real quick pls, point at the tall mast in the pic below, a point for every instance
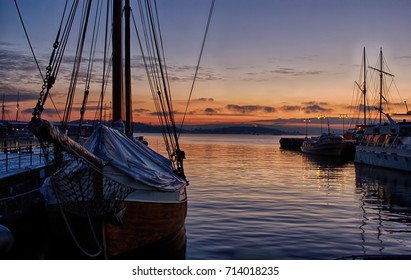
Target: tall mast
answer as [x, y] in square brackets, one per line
[364, 91]
[117, 94]
[382, 72]
[381, 77]
[127, 69]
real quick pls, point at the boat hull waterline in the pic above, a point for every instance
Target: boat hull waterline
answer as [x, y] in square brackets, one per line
[145, 227]
[383, 157]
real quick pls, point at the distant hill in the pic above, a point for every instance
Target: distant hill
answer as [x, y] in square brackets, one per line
[240, 130]
[141, 127]
[229, 129]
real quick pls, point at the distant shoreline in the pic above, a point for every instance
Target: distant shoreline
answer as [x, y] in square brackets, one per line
[148, 128]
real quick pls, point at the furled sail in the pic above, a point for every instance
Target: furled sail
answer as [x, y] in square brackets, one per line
[105, 171]
[134, 159]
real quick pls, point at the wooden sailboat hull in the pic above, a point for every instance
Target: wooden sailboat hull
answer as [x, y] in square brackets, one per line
[144, 224]
[147, 230]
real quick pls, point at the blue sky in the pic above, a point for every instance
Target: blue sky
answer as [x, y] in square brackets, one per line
[263, 60]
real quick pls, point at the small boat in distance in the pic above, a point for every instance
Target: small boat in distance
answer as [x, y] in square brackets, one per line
[327, 144]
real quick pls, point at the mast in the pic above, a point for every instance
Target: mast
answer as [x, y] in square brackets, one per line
[382, 72]
[381, 77]
[127, 69]
[364, 91]
[117, 94]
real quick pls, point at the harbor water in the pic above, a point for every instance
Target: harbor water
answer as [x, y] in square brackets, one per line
[249, 199]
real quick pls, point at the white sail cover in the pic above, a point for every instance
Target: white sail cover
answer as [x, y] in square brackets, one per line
[133, 159]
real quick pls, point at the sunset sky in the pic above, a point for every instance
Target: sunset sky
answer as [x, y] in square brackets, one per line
[264, 61]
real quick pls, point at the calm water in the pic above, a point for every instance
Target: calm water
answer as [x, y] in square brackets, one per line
[249, 199]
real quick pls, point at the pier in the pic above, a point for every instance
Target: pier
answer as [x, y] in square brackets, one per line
[291, 143]
[23, 169]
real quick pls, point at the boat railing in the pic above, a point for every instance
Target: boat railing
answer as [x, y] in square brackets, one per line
[399, 150]
[403, 147]
[19, 151]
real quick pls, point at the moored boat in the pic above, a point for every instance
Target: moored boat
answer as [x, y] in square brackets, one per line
[327, 144]
[114, 197]
[117, 199]
[387, 145]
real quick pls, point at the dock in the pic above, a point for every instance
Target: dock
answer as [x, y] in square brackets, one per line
[23, 169]
[291, 143]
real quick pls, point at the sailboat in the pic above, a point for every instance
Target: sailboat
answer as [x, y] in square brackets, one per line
[114, 197]
[386, 144]
[355, 134]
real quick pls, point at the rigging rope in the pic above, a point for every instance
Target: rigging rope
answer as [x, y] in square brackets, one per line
[106, 73]
[90, 64]
[32, 51]
[156, 70]
[28, 39]
[76, 67]
[151, 72]
[198, 64]
[54, 62]
[156, 73]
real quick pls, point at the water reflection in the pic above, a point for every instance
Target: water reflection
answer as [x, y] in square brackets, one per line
[328, 172]
[385, 201]
[389, 189]
[324, 161]
[249, 199]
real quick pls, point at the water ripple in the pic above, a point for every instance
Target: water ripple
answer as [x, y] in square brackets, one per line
[248, 199]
